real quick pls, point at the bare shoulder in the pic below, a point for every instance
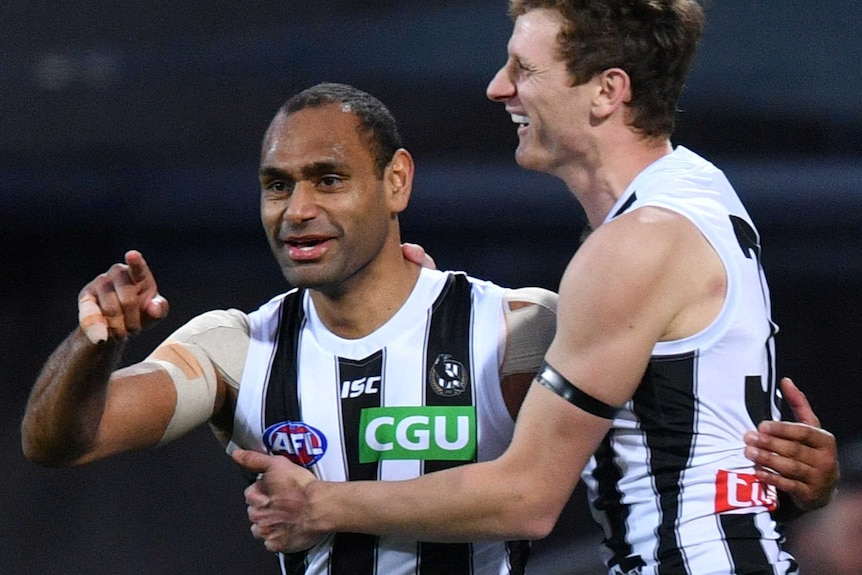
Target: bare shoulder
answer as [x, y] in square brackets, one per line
[649, 272]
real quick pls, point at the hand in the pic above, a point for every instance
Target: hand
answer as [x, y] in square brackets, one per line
[800, 458]
[417, 254]
[278, 502]
[122, 301]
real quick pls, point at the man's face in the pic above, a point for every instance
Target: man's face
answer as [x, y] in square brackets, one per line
[536, 88]
[323, 207]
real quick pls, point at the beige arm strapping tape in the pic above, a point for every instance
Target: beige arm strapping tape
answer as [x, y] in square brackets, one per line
[212, 345]
[531, 320]
[196, 387]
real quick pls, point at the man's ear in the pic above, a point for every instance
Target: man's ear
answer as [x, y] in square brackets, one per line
[398, 180]
[614, 91]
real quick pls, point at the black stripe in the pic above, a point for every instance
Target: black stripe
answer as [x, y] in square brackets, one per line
[666, 408]
[448, 367]
[448, 383]
[608, 501]
[356, 553]
[632, 199]
[282, 403]
[362, 371]
[519, 553]
[743, 544]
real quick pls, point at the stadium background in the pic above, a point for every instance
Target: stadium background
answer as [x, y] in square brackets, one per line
[137, 125]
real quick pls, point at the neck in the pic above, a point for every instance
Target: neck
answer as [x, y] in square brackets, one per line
[598, 184]
[370, 299]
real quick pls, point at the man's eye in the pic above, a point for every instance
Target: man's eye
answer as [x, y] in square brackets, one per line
[330, 181]
[278, 186]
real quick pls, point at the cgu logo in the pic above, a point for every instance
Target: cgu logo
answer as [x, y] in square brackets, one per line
[418, 433]
[298, 441]
[357, 387]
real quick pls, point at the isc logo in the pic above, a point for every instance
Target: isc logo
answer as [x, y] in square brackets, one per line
[357, 387]
[437, 433]
[298, 441]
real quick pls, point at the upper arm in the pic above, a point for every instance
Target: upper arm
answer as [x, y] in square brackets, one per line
[610, 313]
[627, 288]
[189, 378]
[140, 401]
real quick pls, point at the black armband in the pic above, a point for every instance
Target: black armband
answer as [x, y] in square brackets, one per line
[553, 380]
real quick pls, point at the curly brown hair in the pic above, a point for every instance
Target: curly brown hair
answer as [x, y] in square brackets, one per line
[654, 41]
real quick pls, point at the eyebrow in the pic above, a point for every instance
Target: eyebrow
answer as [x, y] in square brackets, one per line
[314, 169]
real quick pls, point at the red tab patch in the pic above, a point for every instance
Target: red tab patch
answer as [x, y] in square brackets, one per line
[741, 491]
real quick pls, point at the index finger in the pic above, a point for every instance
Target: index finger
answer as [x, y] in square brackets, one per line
[792, 435]
[139, 271]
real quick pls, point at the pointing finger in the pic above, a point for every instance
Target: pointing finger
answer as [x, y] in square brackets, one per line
[139, 271]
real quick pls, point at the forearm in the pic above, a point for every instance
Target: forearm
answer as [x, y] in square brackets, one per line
[67, 401]
[469, 503]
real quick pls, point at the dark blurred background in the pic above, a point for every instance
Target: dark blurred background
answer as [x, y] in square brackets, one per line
[137, 125]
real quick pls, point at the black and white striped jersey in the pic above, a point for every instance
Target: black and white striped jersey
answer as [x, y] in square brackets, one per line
[670, 485]
[419, 394]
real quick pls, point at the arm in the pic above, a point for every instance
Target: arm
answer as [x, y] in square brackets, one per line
[81, 409]
[520, 495]
[799, 458]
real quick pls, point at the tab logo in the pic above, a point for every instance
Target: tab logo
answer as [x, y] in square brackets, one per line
[418, 433]
[741, 491]
[298, 441]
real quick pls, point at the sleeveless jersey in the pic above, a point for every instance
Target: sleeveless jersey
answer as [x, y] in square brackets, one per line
[419, 394]
[669, 484]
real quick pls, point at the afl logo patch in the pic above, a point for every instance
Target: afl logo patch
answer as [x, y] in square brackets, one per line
[298, 441]
[448, 377]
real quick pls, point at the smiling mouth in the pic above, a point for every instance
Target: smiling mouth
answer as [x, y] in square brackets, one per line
[305, 245]
[306, 249]
[520, 119]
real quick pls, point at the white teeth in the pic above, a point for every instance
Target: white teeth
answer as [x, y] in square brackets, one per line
[519, 119]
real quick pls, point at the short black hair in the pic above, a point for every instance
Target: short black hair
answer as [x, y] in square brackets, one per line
[376, 122]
